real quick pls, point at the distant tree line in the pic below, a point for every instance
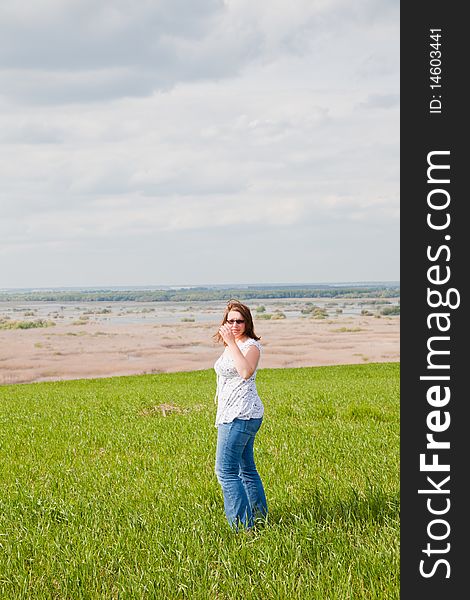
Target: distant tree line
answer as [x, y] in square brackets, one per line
[203, 294]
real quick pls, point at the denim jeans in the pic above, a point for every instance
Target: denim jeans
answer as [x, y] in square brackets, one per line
[244, 497]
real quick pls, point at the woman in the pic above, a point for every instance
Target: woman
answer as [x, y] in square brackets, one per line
[239, 417]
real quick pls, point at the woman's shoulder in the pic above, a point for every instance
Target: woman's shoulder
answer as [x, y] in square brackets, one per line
[251, 342]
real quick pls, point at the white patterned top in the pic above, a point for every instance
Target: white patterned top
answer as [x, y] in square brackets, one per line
[237, 397]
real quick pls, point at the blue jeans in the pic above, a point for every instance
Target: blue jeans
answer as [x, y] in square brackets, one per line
[244, 498]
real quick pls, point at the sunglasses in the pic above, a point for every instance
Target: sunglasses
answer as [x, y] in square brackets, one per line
[237, 321]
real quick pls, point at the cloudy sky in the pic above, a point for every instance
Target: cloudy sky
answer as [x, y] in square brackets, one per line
[172, 142]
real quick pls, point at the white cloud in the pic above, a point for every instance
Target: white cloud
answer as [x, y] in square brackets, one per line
[148, 120]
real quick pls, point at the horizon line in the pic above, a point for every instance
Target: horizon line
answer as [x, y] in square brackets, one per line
[200, 285]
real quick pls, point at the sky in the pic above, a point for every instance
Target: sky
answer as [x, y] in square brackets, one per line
[170, 142]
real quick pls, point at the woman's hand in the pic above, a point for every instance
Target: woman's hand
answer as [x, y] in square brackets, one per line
[227, 334]
[245, 363]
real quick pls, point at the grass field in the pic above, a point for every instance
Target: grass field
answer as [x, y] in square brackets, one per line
[106, 491]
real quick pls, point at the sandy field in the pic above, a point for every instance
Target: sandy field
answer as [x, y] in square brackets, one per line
[102, 348]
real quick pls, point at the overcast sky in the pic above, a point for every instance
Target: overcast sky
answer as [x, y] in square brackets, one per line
[148, 142]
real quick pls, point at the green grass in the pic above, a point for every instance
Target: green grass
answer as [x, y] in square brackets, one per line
[7, 324]
[104, 496]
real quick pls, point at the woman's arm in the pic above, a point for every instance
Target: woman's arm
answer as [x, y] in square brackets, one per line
[245, 363]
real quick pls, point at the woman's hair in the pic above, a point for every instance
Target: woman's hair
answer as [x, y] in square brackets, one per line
[246, 314]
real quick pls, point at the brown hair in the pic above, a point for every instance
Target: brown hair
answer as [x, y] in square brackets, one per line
[245, 312]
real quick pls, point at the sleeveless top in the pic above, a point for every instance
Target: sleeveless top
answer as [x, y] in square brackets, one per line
[237, 397]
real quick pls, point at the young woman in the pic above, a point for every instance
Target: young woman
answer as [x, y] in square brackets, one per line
[239, 417]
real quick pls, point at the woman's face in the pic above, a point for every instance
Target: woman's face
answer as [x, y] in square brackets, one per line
[237, 323]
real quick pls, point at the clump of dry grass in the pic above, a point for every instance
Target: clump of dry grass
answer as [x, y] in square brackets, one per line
[166, 409]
